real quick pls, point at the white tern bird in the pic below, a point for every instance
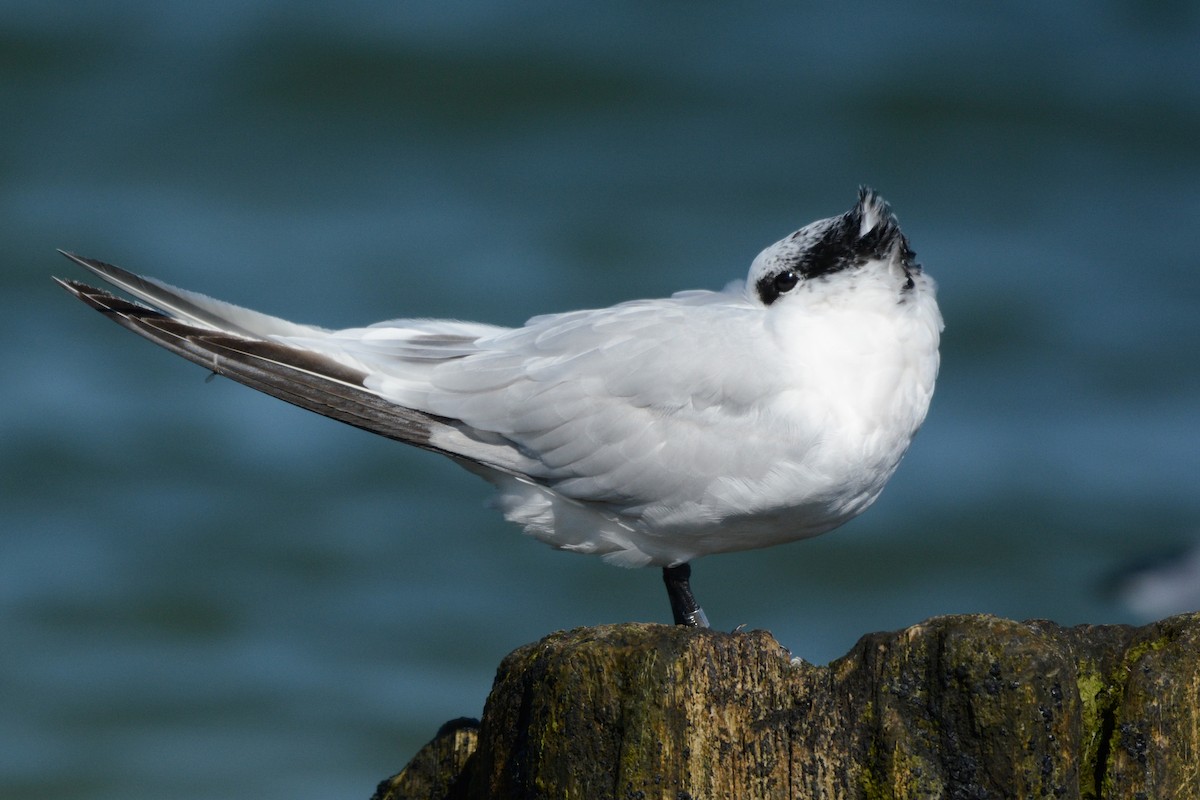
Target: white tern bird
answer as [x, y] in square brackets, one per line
[650, 433]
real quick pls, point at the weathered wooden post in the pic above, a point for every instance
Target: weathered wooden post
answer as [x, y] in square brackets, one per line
[955, 707]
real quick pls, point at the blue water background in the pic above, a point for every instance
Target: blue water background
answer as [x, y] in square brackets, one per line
[205, 593]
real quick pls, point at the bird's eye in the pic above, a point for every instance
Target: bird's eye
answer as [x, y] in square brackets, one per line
[786, 281]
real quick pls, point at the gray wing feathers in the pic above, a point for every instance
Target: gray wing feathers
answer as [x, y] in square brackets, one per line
[611, 405]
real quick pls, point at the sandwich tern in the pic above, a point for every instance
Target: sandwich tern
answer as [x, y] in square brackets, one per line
[651, 432]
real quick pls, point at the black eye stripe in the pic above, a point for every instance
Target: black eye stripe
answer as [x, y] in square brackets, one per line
[771, 286]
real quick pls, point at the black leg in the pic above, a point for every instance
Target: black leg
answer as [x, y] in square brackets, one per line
[683, 603]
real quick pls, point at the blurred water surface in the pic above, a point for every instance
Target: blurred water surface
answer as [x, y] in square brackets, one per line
[206, 593]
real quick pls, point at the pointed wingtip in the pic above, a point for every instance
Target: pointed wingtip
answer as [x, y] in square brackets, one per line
[95, 265]
[74, 287]
[123, 279]
[77, 288]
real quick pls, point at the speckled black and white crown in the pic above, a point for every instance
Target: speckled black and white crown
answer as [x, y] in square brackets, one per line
[869, 231]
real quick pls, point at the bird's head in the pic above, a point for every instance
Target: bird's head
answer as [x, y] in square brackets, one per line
[864, 242]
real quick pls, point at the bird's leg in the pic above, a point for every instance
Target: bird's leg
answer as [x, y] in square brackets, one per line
[683, 603]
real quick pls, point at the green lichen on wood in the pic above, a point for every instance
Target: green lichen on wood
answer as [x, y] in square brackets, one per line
[1098, 698]
[1155, 743]
[967, 707]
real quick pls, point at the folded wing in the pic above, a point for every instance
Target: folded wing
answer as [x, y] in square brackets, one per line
[236, 342]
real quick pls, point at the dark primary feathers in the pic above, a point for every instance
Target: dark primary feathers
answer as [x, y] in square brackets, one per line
[302, 378]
